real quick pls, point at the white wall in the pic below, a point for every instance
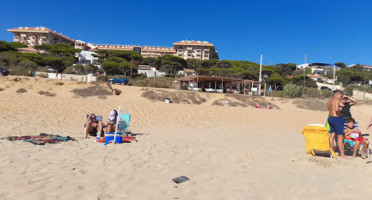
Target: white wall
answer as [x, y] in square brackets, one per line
[72, 77]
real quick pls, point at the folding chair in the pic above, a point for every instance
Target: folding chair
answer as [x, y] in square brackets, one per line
[349, 145]
[122, 126]
[317, 140]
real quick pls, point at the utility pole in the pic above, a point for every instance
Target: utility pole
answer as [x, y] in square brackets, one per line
[334, 77]
[260, 77]
[131, 63]
[304, 69]
[364, 88]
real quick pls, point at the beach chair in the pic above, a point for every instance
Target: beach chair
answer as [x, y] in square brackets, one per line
[124, 121]
[349, 145]
[317, 141]
[122, 127]
[98, 118]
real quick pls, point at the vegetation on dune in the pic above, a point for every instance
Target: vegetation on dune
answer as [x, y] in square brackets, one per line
[282, 77]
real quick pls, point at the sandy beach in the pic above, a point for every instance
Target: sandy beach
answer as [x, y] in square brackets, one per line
[229, 151]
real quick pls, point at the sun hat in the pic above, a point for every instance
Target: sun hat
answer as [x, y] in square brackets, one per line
[112, 115]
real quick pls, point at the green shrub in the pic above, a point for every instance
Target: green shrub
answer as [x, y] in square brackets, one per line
[102, 78]
[349, 90]
[326, 93]
[19, 71]
[277, 94]
[312, 92]
[292, 91]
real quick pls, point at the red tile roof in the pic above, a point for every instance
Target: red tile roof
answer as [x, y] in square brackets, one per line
[316, 76]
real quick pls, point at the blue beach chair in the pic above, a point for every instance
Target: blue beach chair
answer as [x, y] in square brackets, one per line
[124, 121]
[349, 145]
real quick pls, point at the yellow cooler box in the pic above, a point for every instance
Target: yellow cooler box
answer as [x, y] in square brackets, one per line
[317, 140]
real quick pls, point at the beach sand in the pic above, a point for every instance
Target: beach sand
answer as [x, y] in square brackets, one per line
[228, 152]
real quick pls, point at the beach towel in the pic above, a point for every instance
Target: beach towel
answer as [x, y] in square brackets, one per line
[41, 139]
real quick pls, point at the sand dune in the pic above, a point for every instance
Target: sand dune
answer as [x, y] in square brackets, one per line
[227, 152]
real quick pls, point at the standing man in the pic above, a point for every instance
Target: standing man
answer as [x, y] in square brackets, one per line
[336, 122]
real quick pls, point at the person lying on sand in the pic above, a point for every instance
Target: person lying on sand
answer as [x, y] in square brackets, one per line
[111, 124]
[351, 133]
[93, 126]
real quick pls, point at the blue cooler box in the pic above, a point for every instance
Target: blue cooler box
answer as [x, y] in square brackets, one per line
[110, 137]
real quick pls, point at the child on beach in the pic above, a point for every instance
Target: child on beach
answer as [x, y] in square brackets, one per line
[354, 135]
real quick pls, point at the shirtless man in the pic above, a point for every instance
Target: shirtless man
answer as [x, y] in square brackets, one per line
[336, 122]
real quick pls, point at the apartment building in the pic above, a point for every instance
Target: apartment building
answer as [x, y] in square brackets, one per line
[38, 36]
[199, 50]
[154, 51]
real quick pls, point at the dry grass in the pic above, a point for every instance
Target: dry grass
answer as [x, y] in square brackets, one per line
[150, 82]
[311, 104]
[227, 102]
[250, 100]
[21, 90]
[176, 97]
[95, 90]
[46, 93]
[59, 83]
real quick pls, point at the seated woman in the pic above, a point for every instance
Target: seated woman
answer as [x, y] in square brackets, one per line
[111, 124]
[93, 126]
[354, 135]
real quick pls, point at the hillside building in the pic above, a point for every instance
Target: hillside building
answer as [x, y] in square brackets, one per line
[198, 50]
[38, 36]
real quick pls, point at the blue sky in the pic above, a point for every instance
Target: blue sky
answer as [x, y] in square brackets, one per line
[282, 30]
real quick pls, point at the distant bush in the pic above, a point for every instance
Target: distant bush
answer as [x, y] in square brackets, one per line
[312, 92]
[326, 93]
[19, 71]
[176, 97]
[21, 90]
[94, 90]
[349, 90]
[277, 94]
[151, 82]
[366, 88]
[46, 93]
[102, 78]
[292, 91]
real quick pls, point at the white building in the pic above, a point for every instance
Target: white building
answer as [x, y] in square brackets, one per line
[186, 72]
[86, 57]
[149, 71]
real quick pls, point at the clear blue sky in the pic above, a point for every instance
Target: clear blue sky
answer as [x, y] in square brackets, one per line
[282, 30]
